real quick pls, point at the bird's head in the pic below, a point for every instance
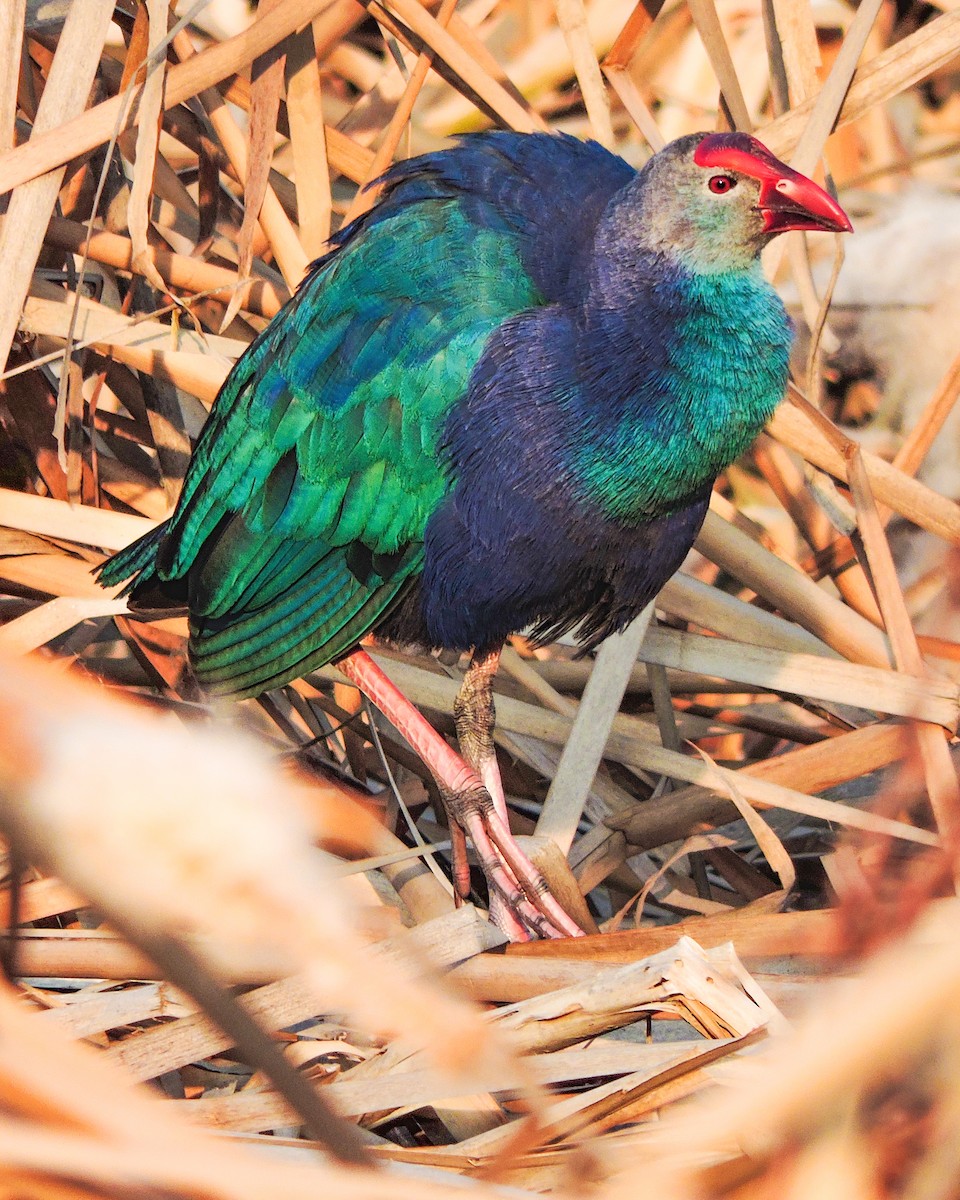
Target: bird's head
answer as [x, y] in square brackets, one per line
[716, 199]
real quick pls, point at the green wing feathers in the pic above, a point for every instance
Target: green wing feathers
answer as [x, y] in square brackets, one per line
[303, 512]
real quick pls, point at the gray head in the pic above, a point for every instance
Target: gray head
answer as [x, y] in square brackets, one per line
[716, 199]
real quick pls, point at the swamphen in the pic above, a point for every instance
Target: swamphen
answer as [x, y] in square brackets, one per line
[499, 403]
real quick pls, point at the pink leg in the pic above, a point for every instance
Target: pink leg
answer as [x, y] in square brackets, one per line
[475, 717]
[508, 870]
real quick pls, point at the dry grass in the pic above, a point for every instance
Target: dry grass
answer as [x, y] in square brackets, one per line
[783, 743]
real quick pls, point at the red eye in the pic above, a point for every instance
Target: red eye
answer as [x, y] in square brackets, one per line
[721, 183]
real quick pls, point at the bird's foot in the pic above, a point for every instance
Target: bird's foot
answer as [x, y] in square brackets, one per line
[521, 903]
[520, 900]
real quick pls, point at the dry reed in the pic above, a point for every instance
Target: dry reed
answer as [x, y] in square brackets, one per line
[783, 742]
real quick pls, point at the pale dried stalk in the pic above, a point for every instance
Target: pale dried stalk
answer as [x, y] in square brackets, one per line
[570, 1118]
[308, 142]
[584, 749]
[533, 682]
[712, 991]
[408, 1090]
[896, 620]
[617, 996]
[527, 971]
[41, 898]
[149, 115]
[129, 1138]
[367, 194]
[829, 100]
[539, 67]
[760, 792]
[68, 86]
[275, 223]
[97, 1012]
[710, 608]
[180, 271]
[48, 309]
[895, 692]
[797, 596]
[808, 153]
[11, 43]
[267, 76]
[570, 675]
[797, 34]
[142, 344]
[637, 748]
[50, 620]
[446, 47]
[855, 1041]
[52, 149]
[905, 495]
[572, 19]
[770, 845]
[616, 67]
[890, 73]
[708, 25]
[452, 938]
[345, 155]
[794, 493]
[632, 100]
[809, 768]
[939, 771]
[51, 574]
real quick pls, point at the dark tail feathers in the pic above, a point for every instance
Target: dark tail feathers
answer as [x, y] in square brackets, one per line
[136, 563]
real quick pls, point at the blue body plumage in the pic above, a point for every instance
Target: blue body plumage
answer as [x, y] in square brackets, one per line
[500, 401]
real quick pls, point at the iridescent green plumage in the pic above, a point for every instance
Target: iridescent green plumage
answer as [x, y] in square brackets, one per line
[324, 438]
[722, 378]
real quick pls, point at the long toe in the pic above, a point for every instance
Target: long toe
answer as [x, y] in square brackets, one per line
[521, 903]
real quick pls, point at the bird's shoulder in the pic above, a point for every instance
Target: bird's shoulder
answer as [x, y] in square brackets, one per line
[543, 193]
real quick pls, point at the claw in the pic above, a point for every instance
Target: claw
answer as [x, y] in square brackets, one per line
[533, 883]
[509, 872]
[461, 868]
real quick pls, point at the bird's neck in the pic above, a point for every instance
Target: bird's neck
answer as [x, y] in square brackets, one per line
[681, 372]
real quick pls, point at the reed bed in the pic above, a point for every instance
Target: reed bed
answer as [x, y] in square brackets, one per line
[752, 801]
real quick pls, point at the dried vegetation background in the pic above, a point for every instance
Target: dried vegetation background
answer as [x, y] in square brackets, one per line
[766, 798]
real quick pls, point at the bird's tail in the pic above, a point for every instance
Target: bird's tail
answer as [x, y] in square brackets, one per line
[136, 563]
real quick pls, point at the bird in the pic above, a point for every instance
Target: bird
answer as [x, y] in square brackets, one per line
[498, 403]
